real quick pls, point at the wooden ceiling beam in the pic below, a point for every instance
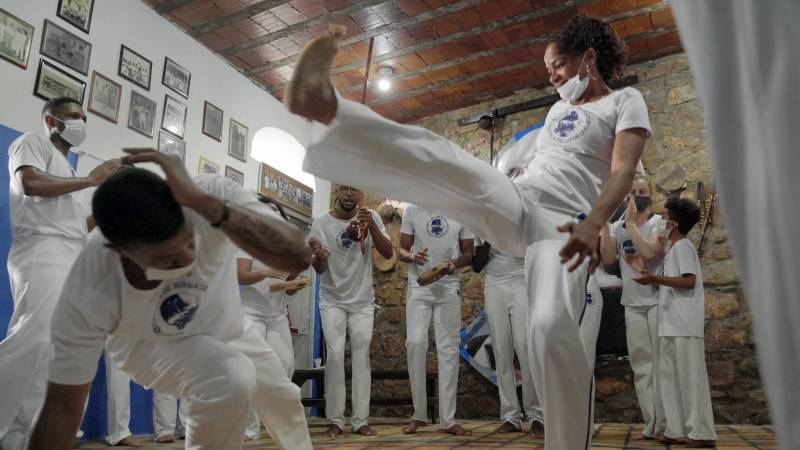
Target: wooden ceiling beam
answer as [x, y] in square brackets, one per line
[172, 5]
[250, 11]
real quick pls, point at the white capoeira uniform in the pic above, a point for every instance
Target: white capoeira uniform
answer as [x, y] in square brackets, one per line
[572, 160]
[118, 409]
[186, 338]
[346, 302]
[682, 374]
[168, 416]
[507, 314]
[746, 68]
[440, 300]
[269, 312]
[641, 322]
[48, 233]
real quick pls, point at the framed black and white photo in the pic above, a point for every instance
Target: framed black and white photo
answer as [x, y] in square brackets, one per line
[174, 117]
[77, 12]
[142, 114]
[16, 38]
[52, 82]
[104, 97]
[176, 77]
[135, 67]
[212, 121]
[207, 167]
[65, 47]
[234, 175]
[171, 145]
[237, 141]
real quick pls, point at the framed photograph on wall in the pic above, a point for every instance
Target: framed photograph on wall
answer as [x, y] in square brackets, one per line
[135, 67]
[237, 141]
[207, 167]
[234, 175]
[212, 122]
[76, 12]
[104, 97]
[174, 117]
[65, 47]
[52, 82]
[171, 145]
[142, 114]
[16, 40]
[176, 77]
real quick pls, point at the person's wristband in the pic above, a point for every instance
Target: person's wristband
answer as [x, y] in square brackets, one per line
[226, 214]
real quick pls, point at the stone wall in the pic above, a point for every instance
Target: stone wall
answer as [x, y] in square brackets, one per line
[678, 136]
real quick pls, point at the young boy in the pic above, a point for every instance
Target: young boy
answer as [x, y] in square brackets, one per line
[682, 374]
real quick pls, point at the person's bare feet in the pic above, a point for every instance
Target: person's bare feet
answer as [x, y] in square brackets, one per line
[166, 438]
[128, 442]
[456, 429]
[310, 92]
[247, 438]
[332, 431]
[537, 430]
[642, 437]
[412, 426]
[699, 443]
[365, 430]
[507, 427]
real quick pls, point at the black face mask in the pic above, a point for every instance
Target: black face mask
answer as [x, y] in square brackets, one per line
[642, 202]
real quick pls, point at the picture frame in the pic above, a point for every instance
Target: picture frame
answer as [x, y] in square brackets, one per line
[52, 82]
[234, 175]
[142, 114]
[212, 121]
[173, 119]
[238, 140]
[15, 46]
[104, 97]
[77, 13]
[176, 77]
[207, 167]
[135, 68]
[171, 145]
[66, 48]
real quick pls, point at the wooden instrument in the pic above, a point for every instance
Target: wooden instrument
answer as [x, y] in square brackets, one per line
[299, 283]
[437, 272]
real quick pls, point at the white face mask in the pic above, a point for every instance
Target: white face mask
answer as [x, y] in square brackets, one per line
[74, 132]
[153, 274]
[574, 87]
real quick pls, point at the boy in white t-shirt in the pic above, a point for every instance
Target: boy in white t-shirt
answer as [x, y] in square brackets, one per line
[682, 374]
[156, 284]
[346, 302]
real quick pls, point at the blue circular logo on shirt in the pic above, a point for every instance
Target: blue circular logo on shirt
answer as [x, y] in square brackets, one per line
[628, 248]
[344, 241]
[569, 127]
[438, 226]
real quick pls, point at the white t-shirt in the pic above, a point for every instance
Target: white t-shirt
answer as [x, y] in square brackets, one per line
[633, 293]
[98, 301]
[441, 236]
[348, 280]
[681, 312]
[258, 301]
[573, 151]
[502, 267]
[64, 215]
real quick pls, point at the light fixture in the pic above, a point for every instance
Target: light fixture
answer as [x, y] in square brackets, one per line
[384, 73]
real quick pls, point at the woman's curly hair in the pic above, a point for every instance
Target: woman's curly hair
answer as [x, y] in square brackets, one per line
[582, 33]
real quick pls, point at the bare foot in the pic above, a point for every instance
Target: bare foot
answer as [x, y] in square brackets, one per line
[247, 438]
[332, 431]
[700, 443]
[642, 437]
[310, 93]
[412, 426]
[507, 427]
[456, 429]
[128, 442]
[166, 439]
[537, 430]
[365, 430]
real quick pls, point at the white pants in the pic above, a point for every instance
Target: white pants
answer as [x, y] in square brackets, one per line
[683, 381]
[221, 379]
[412, 164]
[37, 267]
[641, 333]
[165, 410]
[337, 321]
[746, 69]
[507, 314]
[590, 322]
[446, 313]
[278, 335]
[118, 411]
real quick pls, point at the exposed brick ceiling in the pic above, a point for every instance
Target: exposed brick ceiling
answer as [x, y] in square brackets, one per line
[446, 54]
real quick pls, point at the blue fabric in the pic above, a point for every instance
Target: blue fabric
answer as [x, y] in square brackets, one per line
[520, 134]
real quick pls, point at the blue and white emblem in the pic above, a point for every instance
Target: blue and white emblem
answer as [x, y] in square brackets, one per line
[438, 226]
[344, 242]
[569, 127]
[175, 313]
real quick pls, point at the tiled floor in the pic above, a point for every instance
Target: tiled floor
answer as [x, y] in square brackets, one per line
[390, 436]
